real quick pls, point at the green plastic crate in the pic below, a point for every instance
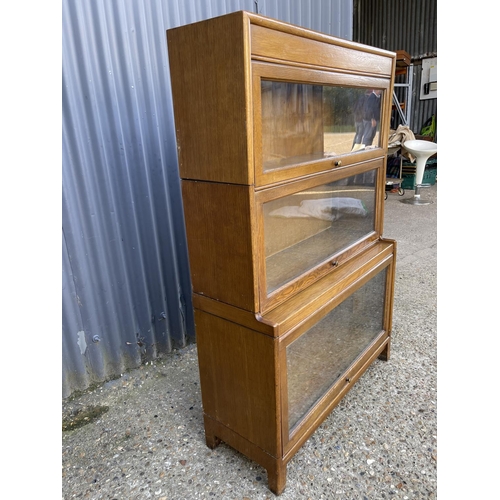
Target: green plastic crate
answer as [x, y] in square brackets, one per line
[409, 169]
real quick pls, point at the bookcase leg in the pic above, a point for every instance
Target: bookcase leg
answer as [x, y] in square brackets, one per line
[386, 353]
[211, 439]
[276, 477]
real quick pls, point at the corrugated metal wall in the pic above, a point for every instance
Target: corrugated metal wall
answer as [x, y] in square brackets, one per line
[333, 17]
[126, 284]
[409, 25]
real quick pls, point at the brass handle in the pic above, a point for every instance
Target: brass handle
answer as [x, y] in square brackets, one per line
[338, 163]
[334, 263]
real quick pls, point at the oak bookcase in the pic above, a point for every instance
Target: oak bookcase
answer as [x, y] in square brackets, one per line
[292, 281]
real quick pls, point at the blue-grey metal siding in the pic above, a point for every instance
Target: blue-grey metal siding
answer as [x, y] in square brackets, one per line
[126, 284]
[409, 25]
[333, 17]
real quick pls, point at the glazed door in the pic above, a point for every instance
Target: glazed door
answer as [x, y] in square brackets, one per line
[328, 352]
[311, 227]
[312, 121]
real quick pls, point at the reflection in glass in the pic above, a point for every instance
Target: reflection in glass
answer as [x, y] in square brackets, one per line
[304, 122]
[304, 229]
[317, 359]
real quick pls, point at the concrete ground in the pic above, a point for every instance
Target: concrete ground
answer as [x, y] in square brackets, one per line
[144, 436]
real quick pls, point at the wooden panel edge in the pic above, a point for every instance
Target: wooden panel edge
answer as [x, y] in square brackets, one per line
[242, 317]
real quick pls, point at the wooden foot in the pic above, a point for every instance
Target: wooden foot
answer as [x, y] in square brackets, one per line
[212, 441]
[276, 477]
[386, 353]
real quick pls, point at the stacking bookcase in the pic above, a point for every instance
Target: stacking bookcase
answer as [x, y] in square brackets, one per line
[292, 280]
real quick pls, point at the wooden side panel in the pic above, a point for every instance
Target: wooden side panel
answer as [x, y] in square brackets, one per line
[239, 383]
[275, 44]
[248, 319]
[209, 72]
[218, 227]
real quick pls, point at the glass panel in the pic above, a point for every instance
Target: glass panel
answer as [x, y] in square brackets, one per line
[304, 229]
[319, 357]
[303, 122]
